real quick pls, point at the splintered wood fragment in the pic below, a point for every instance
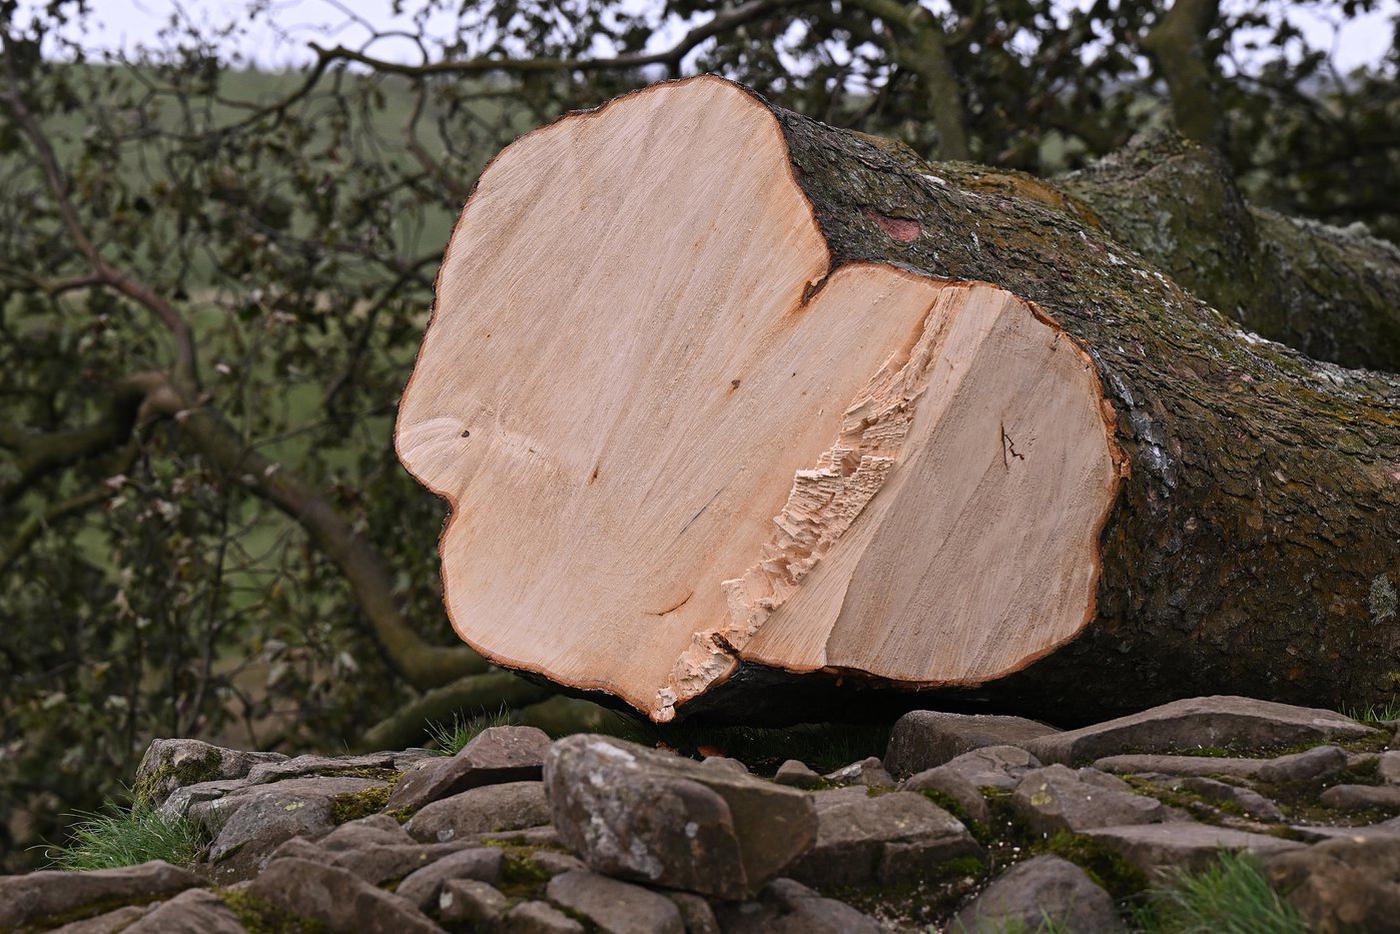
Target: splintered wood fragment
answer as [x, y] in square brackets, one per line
[680, 438]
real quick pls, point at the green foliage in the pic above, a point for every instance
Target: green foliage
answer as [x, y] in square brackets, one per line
[119, 836]
[449, 738]
[1230, 897]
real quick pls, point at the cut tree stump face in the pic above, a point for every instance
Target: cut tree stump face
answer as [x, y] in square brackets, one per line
[672, 438]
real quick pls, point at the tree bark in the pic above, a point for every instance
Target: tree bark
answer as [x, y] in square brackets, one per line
[1333, 294]
[1176, 46]
[1250, 543]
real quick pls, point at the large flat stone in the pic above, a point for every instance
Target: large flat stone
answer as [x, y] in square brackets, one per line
[1163, 764]
[923, 739]
[490, 808]
[615, 907]
[881, 839]
[1192, 846]
[1059, 798]
[41, 898]
[641, 813]
[1038, 893]
[340, 900]
[1343, 884]
[1221, 721]
[307, 765]
[495, 756]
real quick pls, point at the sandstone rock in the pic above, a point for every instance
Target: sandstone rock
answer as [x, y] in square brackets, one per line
[963, 777]
[1040, 890]
[375, 830]
[788, 907]
[1058, 798]
[1343, 884]
[1317, 834]
[795, 774]
[379, 865]
[615, 907]
[471, 902]
[495, 756]
[884, 839]
[724, 762]
[1315, 763]
[696, 913]
[1204, 766]
[107, 923]
[301, 766]
[1250, 801]
[552, 863]
[174, 763]
[183, 799]
[1188, 845]
[644, 814]
[923, 739]
[869, 773]
[540, 918]
[338, 899]
[952, 785]
[1000, 767]
[482, 864]
[267, 815]
[1196, 723]
[213, 815]
[512, 806]
[49, 895]
[1388, 766]
[1362, 797]
[191, 912]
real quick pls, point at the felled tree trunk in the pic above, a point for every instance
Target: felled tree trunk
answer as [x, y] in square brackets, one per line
[742, 415]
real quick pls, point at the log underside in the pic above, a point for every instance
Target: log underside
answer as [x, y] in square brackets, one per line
[698, 441]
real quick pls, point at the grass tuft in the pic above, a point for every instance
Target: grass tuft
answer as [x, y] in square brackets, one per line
[1231, 897]
[1375, 713]
[119, 836]
[449, 739]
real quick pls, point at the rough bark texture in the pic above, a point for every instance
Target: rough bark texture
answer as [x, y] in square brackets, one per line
[1334, 294]
[1254, 545]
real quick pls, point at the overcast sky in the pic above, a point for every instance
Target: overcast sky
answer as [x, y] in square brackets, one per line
[127, 24]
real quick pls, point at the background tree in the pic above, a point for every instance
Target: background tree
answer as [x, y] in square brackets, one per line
[213, 280]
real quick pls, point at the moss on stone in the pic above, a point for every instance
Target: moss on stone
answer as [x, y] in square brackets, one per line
[353, 806]
[1118, 876]
[521, 875]
[259, 916]
[203, 768]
